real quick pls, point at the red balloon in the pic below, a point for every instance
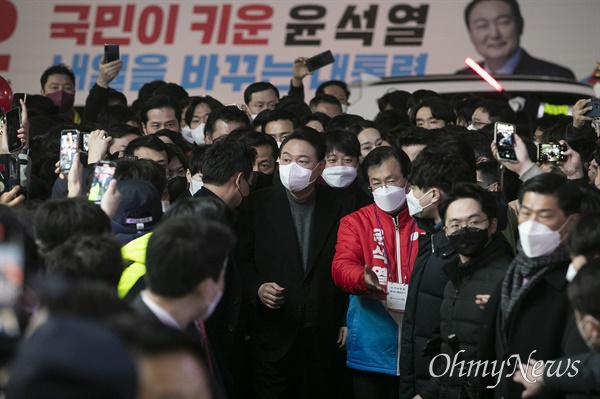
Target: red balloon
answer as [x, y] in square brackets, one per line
[6, 95]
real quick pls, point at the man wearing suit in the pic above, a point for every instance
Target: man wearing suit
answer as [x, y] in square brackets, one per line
[287, 241]
[227, 174]
[495, 28]
[185, 276]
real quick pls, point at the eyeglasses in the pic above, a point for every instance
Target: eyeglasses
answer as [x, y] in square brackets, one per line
[395, 183]
[456, 225]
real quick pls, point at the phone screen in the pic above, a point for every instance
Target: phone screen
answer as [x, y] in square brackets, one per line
[319, 61]
[552, 153]
[103, 174]
[504, 135]
[111, 52]
[86, 139]
[9, 172]
[69, 144]
[13, 124]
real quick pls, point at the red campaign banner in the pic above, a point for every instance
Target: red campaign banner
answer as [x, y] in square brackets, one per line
[218, 48]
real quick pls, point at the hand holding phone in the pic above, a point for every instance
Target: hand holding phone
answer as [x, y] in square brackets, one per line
[103, 174]
[111, 53]
[319, 61]
[504, 137]
[111, 67]
[552, 153]
[69, 145]
[13, 124]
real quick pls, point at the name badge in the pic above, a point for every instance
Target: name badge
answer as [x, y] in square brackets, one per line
[396, 297]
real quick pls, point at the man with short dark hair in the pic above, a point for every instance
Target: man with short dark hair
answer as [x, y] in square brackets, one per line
[375, 252]
[433, 113]
[267, 153]
[222, 121]
[469, 214]
[160, 112]
[430, 181]
[495, 28]
[86, 257]
[58, 84]
[327, 104]
[279, 124]
[534, 282]
[148, 147]
[227, 171]
[260, 96]
[185, 275]
[287, 240]
[490, 112]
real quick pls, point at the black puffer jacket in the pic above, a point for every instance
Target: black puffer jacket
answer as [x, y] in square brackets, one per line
[461, 316]
[422, 314]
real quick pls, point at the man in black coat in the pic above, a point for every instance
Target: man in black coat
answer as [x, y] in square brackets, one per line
[470, 220]
[185, 276]
[530, 311]
[227, 174]
[429, 180]
[287, 239]
[495, 28]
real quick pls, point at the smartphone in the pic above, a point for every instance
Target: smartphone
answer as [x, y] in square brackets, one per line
[111, 52]
[319, 61]
[9, 172]
[103, 174]
[69, 145]
[504, 136]
[13, 124]
[16, 99]
[595, 111]
[86, 140]
[552, 153]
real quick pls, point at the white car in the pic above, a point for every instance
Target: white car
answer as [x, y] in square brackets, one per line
[540, 89]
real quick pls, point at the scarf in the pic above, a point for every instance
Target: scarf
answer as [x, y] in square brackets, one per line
[523, 273]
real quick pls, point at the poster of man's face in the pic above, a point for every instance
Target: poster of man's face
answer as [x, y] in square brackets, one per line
[494, 30]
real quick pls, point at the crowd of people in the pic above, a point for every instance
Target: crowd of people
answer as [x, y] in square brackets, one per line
[282, 249]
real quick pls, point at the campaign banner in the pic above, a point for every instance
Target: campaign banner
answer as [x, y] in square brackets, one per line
[220, 47]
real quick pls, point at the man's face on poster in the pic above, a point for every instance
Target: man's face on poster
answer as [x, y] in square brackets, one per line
[494, 30]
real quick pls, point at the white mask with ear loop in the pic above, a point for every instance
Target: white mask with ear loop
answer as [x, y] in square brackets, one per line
[538, 239]
[294, 177]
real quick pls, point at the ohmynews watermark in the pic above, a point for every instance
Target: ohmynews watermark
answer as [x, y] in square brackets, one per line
[496, 369]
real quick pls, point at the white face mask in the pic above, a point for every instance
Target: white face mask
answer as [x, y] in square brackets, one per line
[344, 108]
[186, 132]
[414, 203]
[471, 127]
[253, 116]
[279, 144]
[294, 177]
[538, 239]
[339, 176]
[195, 185]
[194, 135]
[165, 205]
[389, 198]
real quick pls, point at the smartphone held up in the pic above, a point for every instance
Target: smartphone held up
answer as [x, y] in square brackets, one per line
[103, 174]
[69, 145]
[504, 137]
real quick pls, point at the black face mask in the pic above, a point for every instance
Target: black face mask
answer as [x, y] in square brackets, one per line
[468, 241]
[260, 180]
[176, 186]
